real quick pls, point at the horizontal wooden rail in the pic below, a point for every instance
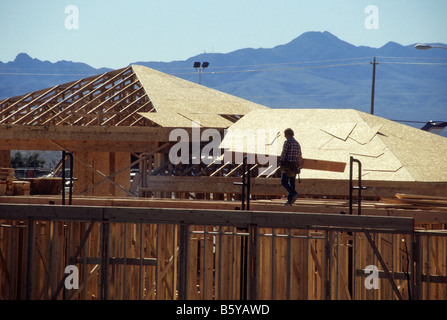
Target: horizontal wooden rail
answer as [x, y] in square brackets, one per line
[238, 218]
[272, 186]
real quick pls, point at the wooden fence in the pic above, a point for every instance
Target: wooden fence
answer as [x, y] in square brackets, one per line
[149, 253]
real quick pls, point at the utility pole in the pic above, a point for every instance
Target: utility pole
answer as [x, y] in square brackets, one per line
[374, 63]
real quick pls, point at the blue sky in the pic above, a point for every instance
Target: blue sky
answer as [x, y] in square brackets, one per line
[112, 33]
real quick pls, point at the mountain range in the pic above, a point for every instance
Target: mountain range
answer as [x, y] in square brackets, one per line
[314, 70]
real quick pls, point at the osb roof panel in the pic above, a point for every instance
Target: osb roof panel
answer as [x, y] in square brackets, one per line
[168, 120]
[387, 150]
[169, 93]
[209, 120]
[187, 120]
[339, 130]
[423, 154]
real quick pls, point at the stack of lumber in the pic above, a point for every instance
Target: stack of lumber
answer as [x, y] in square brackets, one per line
[11, 187]
[21, 188]
[417, 201]
[6, 181]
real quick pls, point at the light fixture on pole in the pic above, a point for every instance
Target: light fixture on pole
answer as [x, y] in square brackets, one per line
[200, 67]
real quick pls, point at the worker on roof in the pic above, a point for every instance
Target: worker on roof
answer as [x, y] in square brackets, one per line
[290, 162]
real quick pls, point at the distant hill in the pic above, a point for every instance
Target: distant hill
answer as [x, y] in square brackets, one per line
[315, 70]
[26, 74]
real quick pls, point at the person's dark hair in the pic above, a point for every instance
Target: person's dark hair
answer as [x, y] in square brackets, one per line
[289, 132]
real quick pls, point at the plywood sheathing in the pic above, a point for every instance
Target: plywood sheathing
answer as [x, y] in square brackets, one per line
[389, 151]
[105, 163]
[179, 102]
[179, 120]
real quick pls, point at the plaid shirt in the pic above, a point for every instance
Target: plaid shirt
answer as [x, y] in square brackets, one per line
[291, 151]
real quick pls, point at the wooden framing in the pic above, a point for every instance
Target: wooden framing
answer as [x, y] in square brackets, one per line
[111, 113]
[119, 139]
[165, 248]
[90, 101]
[259, 219]
[140, 253]
[306, 187]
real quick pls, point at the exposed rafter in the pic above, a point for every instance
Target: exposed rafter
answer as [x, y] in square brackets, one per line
[110, 99]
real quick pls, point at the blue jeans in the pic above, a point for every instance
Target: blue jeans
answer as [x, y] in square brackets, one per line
[289, 184]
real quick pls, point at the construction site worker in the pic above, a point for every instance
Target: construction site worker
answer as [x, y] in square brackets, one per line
[290, 165]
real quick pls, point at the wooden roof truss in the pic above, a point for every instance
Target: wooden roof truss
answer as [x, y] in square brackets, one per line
[111, 99]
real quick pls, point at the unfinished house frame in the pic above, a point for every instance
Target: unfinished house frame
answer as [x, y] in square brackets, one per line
[181, 231]
[157, 253]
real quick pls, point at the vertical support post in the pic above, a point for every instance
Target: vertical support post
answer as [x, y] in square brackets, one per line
[70, 193]
[288, 262]
[219, 264]
[63, 177]
[143, 169]
[330, 262]
[29, 259]
[354, 264]
[183, 262]
[105, 260]
[125, 259]
[140, 271]
[64, 156]
[244, 168]
[253, 263]
[248, 167]
[243, 265]
[416, 265]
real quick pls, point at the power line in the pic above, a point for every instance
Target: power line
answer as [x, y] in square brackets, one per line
[277, 69]
[417, 63]
[248, 66]
[46, 74]
[413, 58]
[345, 94]
[292, 63]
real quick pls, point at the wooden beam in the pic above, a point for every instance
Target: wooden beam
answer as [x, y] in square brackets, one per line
[93, 89]
[324, 165]
[207, 217]
[98, 133]
[6, 110]
[79, 146]
[316, 206]
[37, 112]
[5, 120]
[310, 187]
[312, 164]
[112, 96]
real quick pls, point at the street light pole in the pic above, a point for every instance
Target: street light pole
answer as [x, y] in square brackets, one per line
[200, 67]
